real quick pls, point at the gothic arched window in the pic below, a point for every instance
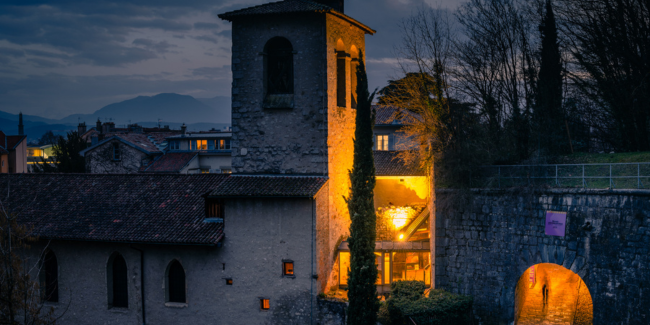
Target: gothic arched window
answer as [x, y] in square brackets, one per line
[118, 283]
[50, 277]
[176, 282]
[279, 66]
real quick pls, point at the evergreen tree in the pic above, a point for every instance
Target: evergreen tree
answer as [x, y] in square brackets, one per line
[362, 292]
[549, 117]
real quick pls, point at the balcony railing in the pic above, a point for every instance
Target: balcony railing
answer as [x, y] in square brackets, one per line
[596, 176]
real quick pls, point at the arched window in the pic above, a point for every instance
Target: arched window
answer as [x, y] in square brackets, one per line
[279, 66]
[341, 75]
[354, 63]
[118, 284]
[176, 282]
[50, 277]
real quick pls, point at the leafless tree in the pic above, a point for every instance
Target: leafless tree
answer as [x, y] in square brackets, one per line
[21, 300]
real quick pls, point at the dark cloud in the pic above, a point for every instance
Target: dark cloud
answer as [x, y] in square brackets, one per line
[159, 47]
[41, 63]
[61, 95]
[9, 52]
[206, 38]
[202, 25]
[110, 35]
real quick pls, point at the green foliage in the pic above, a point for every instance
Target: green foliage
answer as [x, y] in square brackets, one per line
[407, 302]
[362, 292]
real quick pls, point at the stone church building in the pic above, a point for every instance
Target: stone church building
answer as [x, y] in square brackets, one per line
[254, 247]
[260, 245]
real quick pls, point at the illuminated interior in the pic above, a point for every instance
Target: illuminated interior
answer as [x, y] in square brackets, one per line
[551, 294]
[392, 266]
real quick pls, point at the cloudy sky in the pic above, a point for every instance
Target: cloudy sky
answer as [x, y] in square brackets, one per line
[62, 57]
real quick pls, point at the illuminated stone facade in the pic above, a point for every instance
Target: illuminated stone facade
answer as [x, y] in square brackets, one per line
[315, 135]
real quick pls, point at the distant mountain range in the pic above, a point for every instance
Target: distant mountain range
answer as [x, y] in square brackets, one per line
[164, 109]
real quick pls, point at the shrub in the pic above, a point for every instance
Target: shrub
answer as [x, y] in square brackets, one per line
[408, 302]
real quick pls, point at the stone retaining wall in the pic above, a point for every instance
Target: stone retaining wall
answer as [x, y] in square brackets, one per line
[486, 239]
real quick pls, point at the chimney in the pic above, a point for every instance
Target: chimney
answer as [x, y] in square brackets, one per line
[21, 128]
[337, 5]
[183, 129]
[81, 128]
[99, 126]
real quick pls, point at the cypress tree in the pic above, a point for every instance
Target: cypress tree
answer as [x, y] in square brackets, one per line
[549, 115]
[362, 292]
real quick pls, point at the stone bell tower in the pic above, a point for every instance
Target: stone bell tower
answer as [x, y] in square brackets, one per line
[293, 90]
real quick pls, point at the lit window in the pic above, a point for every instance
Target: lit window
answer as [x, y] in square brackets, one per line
[265, 304]
[382, 142]
[287, 268]
[205, 171]
[117, 155]
[222, 144]
[411, 266]
[201, 145]
[378, 264]
[226, 171]
[229, 282]
[344, 268]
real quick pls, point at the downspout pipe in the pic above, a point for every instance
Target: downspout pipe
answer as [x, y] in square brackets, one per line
[311, 296]
[144, 314]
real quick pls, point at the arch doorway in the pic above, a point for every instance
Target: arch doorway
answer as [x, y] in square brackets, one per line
[551, 294]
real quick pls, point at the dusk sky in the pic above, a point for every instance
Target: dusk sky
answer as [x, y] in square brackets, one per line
[75, 56]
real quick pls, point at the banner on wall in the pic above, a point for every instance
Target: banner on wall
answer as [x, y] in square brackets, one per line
[555, 223]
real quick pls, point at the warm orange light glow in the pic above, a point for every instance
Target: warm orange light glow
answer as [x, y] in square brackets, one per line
[551, 293]
[401, 215]
[401, 236]
[265, 304]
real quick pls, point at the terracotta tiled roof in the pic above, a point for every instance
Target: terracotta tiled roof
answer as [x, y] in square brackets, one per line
[270, 186]
[14, 140]
[151, 208]
[388, 163]
[172, 162]
[290, 7]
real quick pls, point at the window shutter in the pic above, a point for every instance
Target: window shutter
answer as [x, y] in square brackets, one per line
[391, 142]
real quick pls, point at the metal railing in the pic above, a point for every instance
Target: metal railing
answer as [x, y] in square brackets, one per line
[621, 176]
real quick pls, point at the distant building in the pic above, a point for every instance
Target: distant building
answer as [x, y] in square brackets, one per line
[156, 150]
[13, 150]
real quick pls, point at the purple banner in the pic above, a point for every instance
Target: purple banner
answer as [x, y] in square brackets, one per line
[555, 223]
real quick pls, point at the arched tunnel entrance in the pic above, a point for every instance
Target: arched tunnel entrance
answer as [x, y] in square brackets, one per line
[551, 294]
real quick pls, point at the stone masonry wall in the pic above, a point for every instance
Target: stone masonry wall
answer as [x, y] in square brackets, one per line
[486, 239]
[279, 141]
[100, 160]
[341, 127]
